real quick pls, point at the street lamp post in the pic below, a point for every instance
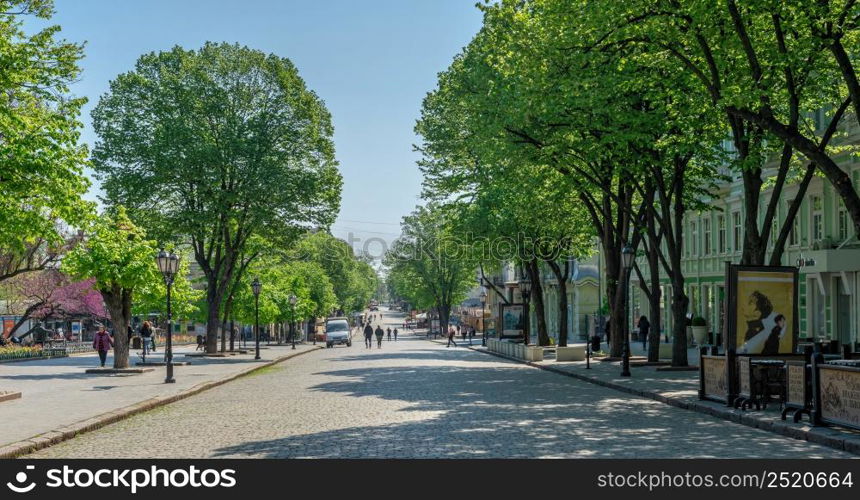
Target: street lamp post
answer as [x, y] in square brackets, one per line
[627, 257]
[256, 286]
[293, 300]
[525, 291]
[483, 319]
[168, 265]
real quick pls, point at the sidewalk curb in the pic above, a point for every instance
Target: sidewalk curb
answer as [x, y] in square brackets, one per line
[824, 436]
[64, 433]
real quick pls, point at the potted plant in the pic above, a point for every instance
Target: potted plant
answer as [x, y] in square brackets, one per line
[699, 329]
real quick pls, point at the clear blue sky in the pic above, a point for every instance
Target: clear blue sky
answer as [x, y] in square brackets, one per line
[371, 61]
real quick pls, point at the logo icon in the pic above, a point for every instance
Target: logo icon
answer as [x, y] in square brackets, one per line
[21, 478]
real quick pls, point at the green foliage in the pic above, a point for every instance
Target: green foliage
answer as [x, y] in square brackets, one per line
[428, 265]
[151, 297]
[355, 281]
[41, 180]
[116, 253]
[699, 321]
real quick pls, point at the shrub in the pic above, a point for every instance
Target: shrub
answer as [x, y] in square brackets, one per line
[699, 321]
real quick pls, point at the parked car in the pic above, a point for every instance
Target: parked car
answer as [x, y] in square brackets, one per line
[337, 332]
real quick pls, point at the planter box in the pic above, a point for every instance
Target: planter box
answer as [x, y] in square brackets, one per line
[700, 334]
[532, 353]
[575, 352]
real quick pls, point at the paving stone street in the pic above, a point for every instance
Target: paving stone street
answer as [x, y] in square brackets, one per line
[419, 399]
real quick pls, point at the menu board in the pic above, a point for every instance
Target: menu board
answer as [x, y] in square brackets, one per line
[840, 395]
[744, 382]
[714, 377]
[795, 380]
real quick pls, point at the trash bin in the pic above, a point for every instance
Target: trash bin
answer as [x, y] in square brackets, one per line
[135, 343]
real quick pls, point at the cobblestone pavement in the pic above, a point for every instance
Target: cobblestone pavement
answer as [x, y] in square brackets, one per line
[418, 399]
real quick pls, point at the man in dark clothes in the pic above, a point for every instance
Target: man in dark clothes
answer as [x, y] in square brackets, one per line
[368, 336]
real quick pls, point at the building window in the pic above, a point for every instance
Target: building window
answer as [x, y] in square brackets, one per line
[843, 224]
[815, 207]
[721, 233]
[694, 238]
[794, 235]
[706, 234]
[736, 231]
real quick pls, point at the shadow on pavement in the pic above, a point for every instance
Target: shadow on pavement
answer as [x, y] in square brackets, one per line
[512, 411]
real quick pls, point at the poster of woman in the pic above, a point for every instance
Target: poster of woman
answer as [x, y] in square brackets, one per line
[765, 310]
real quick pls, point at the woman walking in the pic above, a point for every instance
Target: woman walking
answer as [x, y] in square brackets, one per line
[451, 333]
[102, 343]
[146, 334]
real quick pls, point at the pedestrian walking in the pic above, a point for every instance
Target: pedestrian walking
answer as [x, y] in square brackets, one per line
[102, 343]
[389, 333]
[608, 329]
[146, 337]
[451, 334]
[644, 327]
[368, 336]
[379, 334]
[395, 334]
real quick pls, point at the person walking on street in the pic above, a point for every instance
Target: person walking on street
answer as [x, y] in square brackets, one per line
[368, 336]
[451, 334]
[146, 337]
[608, 329]
[389, 333]
[102, 343]
[379, 334]
[395, 334]
[644, 327]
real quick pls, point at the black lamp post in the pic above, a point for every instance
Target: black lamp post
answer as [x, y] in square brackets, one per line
[525, 291]
[293, 300]
[483, 319]
[627, 257]
[168, 265]
[256, 286]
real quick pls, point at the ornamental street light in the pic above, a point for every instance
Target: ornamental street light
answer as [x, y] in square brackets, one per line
[293, 300]
[483, 316]
[168, 265]
[256, 286]
[525, 291]
[627, 257]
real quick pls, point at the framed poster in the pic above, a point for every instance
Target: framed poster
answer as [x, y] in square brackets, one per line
[762, 310]
[513, 320]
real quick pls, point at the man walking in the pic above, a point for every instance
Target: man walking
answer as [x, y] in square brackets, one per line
[395, 334]
[389, 333]
[451, 334]
[368, 335]
[379, 334]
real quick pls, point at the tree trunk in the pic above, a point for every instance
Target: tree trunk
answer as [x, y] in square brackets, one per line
[213, 300]
[536, 298]
[654, 297]
[561, 278]
[118, 303]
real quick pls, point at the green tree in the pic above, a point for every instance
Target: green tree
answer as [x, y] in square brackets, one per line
[151, 297]
[428, 265]
[118, 256]
[212, 147]
[41, 180]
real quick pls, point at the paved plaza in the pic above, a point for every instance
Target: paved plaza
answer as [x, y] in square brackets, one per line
[57, 393]
[419, 399]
